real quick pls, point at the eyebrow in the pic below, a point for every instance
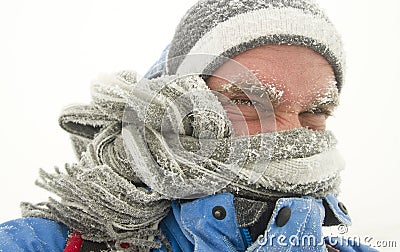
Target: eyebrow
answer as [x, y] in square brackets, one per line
[328, 101]
[241, 89]
[228, 88]
[331, 97]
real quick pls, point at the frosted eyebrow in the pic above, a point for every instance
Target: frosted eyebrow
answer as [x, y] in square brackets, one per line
[241, 89]
[229, 88]
[329, 100]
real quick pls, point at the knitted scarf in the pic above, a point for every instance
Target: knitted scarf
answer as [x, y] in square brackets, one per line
[137, 135]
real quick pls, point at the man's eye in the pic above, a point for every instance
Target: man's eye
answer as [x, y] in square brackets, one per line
[320, 111]
[247, 102]
[242, 102]
[314, 119]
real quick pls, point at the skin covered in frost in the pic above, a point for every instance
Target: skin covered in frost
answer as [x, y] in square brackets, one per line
[299, 82]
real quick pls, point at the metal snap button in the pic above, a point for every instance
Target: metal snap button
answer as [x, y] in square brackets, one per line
[283, 216]
[343, 208]
[219, 212]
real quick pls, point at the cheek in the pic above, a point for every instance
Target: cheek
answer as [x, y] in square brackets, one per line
[241, 112]
[247, 120]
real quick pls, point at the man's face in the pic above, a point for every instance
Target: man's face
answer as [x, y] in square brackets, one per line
[299, 82]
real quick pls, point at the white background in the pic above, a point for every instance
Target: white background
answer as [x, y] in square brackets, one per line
[50, 50]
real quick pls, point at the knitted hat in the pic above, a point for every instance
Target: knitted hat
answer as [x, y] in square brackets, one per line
[230, 27]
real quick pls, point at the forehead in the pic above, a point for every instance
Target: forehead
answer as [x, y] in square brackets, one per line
[297, 73]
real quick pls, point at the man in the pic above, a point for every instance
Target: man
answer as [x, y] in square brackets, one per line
[221, 148]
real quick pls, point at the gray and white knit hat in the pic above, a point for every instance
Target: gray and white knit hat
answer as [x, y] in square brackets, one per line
[230, 27]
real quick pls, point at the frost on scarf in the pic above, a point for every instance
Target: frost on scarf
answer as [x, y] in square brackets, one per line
[170, 134]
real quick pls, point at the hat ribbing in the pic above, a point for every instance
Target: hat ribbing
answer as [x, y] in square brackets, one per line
[230, 27]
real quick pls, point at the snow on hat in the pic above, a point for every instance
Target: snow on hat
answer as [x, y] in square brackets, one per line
[230, 27]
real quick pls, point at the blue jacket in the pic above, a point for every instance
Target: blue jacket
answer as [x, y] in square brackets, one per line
[208, 224]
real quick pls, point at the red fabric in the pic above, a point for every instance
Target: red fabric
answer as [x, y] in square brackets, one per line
[124, 245]
[331, 249]
[74, 242]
